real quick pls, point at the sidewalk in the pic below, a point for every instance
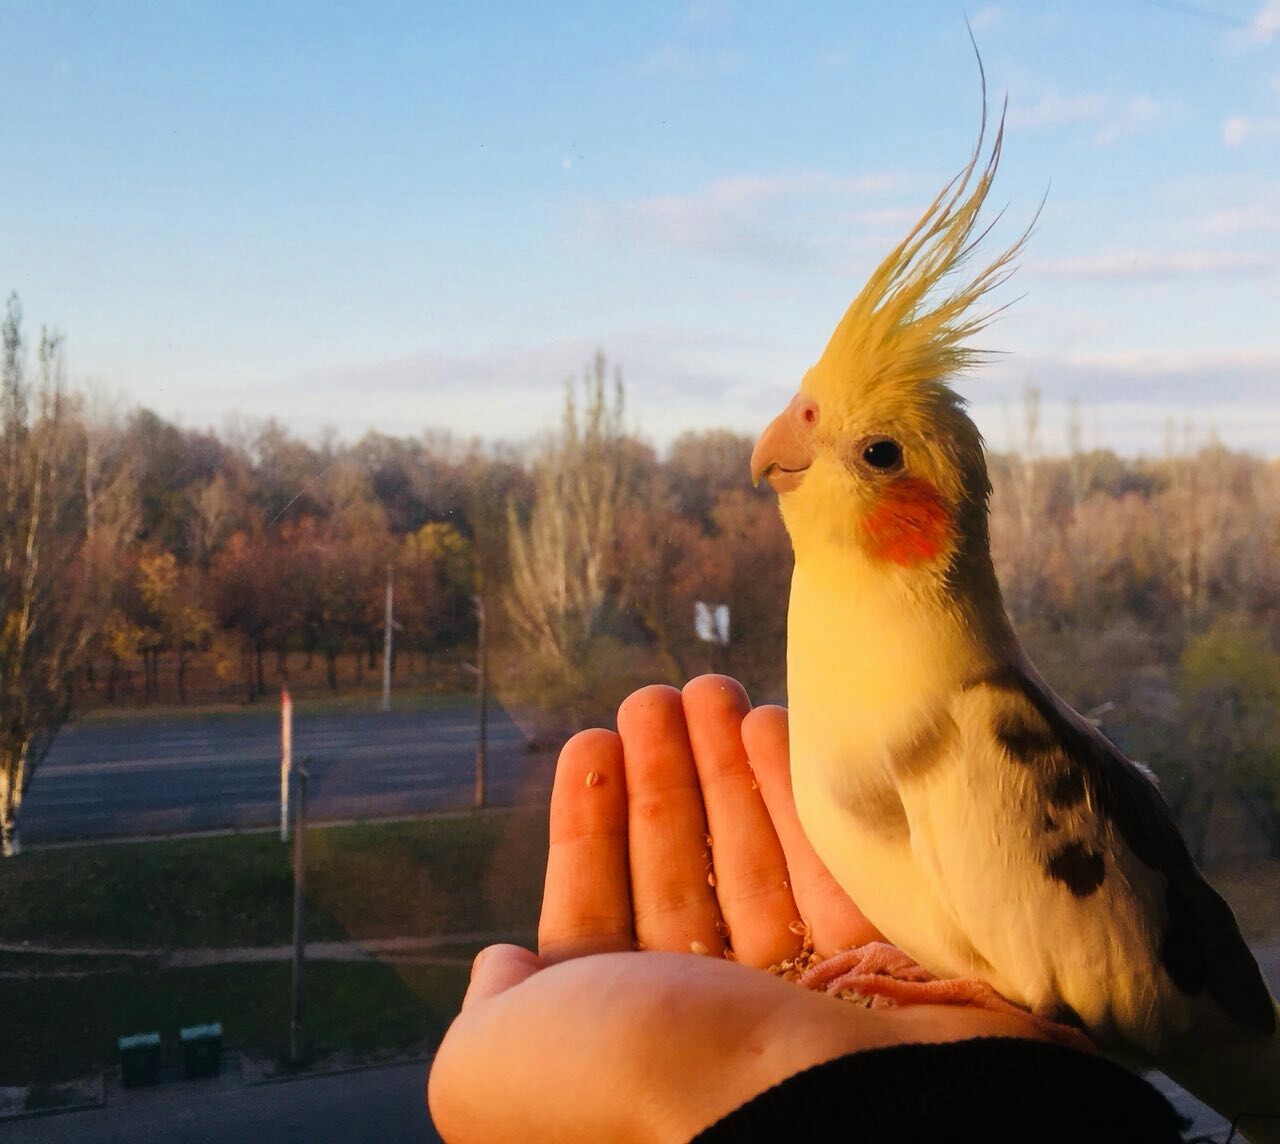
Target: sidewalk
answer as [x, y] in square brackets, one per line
[368, 1106]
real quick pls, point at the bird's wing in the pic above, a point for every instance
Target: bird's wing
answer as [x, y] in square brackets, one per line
[1062, 865]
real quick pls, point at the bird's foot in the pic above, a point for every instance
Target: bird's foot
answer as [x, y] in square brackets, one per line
[878, 974]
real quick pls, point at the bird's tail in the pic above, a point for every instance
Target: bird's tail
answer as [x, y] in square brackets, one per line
[1240, 1080]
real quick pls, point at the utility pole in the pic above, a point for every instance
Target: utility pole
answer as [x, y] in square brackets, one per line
[299, 919]
[482, 702]
[387, 640]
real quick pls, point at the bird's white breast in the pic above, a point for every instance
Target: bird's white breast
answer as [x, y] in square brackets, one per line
[867, 669]
[932, 830]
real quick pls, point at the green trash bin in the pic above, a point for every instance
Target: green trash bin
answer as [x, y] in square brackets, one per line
[139, 1059]
[201, 1049]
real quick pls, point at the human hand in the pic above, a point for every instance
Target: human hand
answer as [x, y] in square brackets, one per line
[630, 862]
[656, 1046]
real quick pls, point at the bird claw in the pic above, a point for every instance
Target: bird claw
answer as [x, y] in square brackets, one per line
[879, 975]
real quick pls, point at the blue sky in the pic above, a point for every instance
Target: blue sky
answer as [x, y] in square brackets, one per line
[411, 216]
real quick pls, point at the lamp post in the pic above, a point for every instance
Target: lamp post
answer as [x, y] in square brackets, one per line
[299, 915]
[482, 704]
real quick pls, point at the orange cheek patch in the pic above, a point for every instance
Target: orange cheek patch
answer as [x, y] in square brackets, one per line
[908, 524]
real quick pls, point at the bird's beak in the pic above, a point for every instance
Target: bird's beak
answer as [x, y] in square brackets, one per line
[785, 448]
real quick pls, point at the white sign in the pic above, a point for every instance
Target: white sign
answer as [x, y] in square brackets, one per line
[711, 622]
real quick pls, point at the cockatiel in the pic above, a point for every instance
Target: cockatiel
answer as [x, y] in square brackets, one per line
[982, 825]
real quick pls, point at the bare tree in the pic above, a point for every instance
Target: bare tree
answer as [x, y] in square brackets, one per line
[1200, 502]
[558, 557]
[1019, 523]
[55, 580]
[1027, 468]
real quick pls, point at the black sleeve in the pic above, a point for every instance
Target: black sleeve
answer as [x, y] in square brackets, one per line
[989, 1089]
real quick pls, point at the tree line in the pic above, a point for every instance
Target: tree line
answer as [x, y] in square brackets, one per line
[144, 562]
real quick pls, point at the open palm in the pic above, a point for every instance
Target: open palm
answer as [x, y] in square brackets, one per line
[679, 833]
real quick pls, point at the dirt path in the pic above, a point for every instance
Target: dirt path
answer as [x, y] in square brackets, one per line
[399, 950]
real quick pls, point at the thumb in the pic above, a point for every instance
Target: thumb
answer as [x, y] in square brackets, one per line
[497, 968]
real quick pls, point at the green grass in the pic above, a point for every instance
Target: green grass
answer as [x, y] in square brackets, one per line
[479, 872]
[61, 1028]
[1252, 889]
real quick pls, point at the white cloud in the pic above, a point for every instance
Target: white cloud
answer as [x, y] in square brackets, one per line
[755, 189]
[987, 16]
[1241, 129]
[1146, 363]
[1196, 377]
[1054, 109]
[833, 60]
[1243, 220]
[679, 380]
[1235, 130]
[1265, 23]
[1136, 114]
[515, 392]
[889, 218]
[1132, 395]
[1134, 428]
[708, 14]
[682, 58]
[1259, 30]
[1156, 264]
[741, 218]
[1113, 116]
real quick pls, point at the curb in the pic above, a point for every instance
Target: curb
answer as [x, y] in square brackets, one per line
[252, 1075]
[98, 1100]
[232, 831]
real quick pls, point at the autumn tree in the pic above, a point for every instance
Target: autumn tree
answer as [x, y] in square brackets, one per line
[288, 474]
[1229, 684]
[752, 547]
[250, 599]
[170, 463]
[170, 593]
[359, 549]
[218, 507]
[665, 562]
[703, 465]
[435, 587]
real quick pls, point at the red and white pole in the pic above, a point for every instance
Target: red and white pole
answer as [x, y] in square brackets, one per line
[286, 759]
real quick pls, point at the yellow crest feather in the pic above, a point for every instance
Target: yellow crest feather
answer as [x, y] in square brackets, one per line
[897, 334]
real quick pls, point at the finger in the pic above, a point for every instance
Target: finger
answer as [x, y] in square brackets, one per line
[673, 903]
[834, 920]
[586, 901]
[750, 868]
[497, 968]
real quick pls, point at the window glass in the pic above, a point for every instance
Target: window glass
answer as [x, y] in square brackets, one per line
[380, 386]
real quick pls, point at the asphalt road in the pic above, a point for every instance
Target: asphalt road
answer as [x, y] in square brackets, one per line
[373, 1106]
[150, 776]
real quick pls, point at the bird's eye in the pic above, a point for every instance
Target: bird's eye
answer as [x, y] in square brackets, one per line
[882, 454]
